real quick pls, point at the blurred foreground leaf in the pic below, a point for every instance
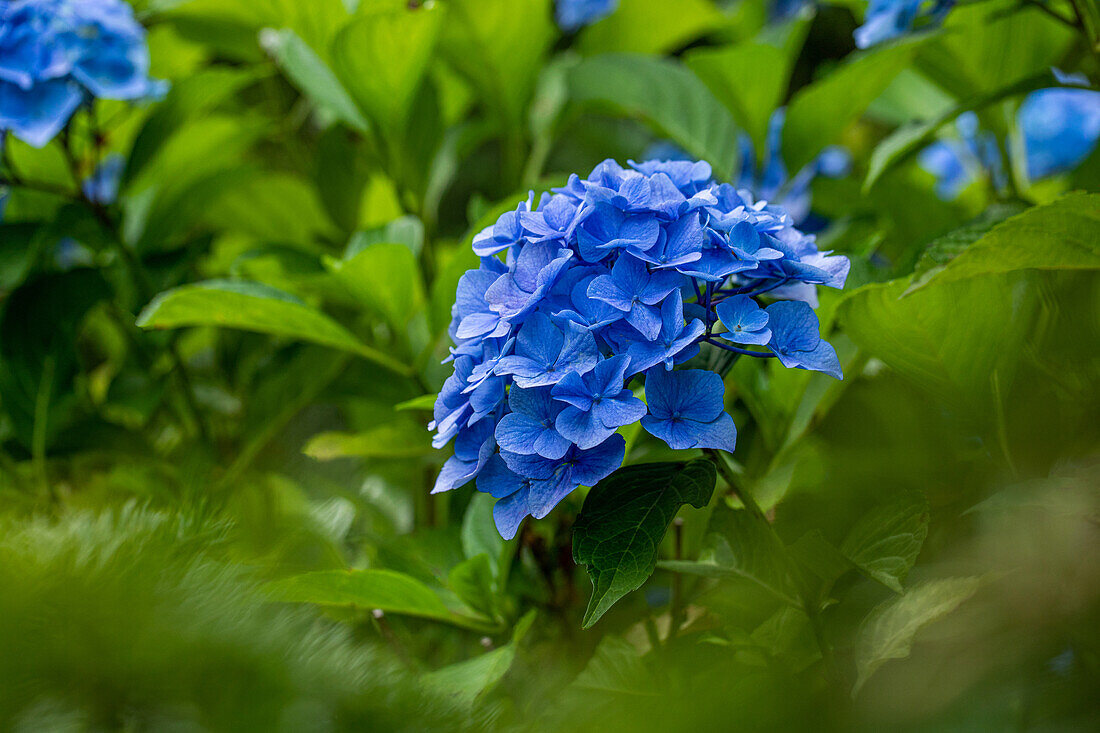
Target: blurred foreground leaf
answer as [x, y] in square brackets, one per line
[888, 632]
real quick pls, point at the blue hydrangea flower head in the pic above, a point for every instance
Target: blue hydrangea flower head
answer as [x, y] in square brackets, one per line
[888, 19]
[1060, 128]
[57, 54]
[574, 14]
[606, 284]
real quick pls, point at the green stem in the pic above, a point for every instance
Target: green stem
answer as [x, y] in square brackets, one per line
[730, 478]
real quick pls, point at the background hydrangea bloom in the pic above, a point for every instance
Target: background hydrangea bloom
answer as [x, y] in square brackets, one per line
[607, 282]
[888, 19]
[56, 54]
[574, 14]
[1059, 127]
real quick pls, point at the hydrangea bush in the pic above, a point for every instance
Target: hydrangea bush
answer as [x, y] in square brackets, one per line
[57, 54]
[608, 282]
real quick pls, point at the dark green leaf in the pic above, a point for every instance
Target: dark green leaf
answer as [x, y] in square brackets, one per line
[618, 533]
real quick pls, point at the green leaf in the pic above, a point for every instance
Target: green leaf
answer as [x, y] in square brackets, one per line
[743, 546]
[983, 48]
[272, 207]
[479, 532]
[423, 402]
[818, 114]
[943, 249]
[820, 564]
[651, 26]
[404, 438]
[307, 71]
[468, 681]
[618, 533]
[498, 55]
[750, 98]
[472, 582]
[667, 96]
[888, 631]
[1062, 235]
[386, 278]
[885, 542]
[615, 670]
[381, 58]
[385, 590]
[253, 307]
[406, 230]
[924, 337]
[188, 98]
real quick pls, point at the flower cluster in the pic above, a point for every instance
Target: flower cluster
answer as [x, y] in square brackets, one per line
[57, 54]
[1059, 128]
[611, 279]
[888, 19]
[574, 14]
[769, 179]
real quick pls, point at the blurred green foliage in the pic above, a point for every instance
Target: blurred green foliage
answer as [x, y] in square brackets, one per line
[213, 393]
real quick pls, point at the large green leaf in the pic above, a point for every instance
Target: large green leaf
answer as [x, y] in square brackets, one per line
[743, 546]
[1062, 235]
[381, 58]
[889, 630]
[312, 75]
[386, 278]
[254, 307]
[499, 55]
[651, 26]
[957, 340]
[818, 115]
[472, 582]
[750, 97]
[618, 533]
[667, 96]
[385, 590]
[885, 542]
[400, 438]
[992, 45]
